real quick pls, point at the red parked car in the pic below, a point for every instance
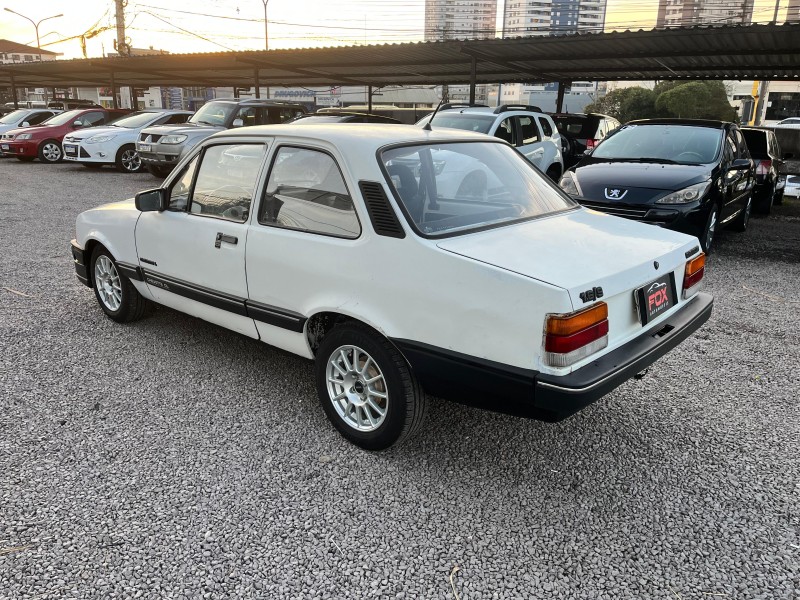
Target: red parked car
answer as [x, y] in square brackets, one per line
[44, 141]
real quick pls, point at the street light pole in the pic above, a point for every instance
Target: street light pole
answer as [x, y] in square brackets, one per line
[266, 27]
[38, 42]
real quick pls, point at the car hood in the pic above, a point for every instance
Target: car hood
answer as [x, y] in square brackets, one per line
[182, 128]
[82, 134]
[43, 129]
[640, 182]
[578, 250]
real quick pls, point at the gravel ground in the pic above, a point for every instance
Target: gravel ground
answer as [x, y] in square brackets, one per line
[173, 459]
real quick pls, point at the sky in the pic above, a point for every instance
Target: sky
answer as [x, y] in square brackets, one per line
[215, 25]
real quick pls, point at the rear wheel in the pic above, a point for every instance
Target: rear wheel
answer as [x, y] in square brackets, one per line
[50, 151]
[709, 233]
[764, 205]
[128, 160]
[117, 296]
[366, 388]
[554, 172]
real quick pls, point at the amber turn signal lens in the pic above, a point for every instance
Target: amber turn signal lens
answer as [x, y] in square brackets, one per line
[577, 321]
[694, 265]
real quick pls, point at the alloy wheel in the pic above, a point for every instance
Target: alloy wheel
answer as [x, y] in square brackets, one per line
[106, 280]
[130, 160]
[52, 152]
[357, 388]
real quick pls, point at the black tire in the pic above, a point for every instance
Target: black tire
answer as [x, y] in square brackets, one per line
[405, 403]
[710, 230]
[132, 305]
[92, 165]
[567, 147]
[25, 158]
[50, 151]
[764, 205]
[554, 173]
[156, 171]
[127, 159]
[741, 222]
[778, 198]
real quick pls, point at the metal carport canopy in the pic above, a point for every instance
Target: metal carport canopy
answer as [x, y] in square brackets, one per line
[765, 51]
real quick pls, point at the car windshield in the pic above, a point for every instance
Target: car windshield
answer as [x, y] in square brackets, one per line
[668, 143]
[14, 117]
[63, 117]
[456, 187]
[136, 120]
[214, 113]
[467, 121]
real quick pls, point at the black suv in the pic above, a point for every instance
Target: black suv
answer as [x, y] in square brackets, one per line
[161, 147]
[766, 152]
[684, 174]
[580, 132]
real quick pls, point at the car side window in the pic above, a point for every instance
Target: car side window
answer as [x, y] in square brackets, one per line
[176, 119]
[92, 119]
[729, 152]
[281, 114]
[248, 115]
[505, 131]
[530, 133]
[179, 192]
[743, 152]
[226, 180]
[547, 131]
[306, 191]
[38, 118]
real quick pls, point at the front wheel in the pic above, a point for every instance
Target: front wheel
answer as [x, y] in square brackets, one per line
[50, 151]
[764, 206]
[366, 388]
[707, 239]
[128, 160]
[116, 295]
[741, 222]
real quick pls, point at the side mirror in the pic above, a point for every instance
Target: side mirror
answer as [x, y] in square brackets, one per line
[152, 200]
[26, 124]
[77, 123]
[588, 151]
[238, 123]
[788, 155]
[740, 164]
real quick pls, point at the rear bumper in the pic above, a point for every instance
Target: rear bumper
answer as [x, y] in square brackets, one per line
[528, 393]
[79, 258]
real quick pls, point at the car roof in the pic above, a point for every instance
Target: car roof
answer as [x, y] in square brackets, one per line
[579, 115]
[691, 122]
[491, 110]
[364, 135]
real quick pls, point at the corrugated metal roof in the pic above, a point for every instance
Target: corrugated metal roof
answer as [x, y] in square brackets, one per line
[713, 52]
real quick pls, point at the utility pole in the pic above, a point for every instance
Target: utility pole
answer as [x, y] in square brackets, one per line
[266, 25]
[122, 47]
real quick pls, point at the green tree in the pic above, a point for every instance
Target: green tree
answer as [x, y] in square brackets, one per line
[694, 100]
[626, 104]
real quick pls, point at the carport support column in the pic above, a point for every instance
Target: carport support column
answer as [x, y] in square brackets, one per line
[369, 99]
[134, 106]
[473, 75]
[562, 85]
[14, 91]
[114, 102]
[257, 82]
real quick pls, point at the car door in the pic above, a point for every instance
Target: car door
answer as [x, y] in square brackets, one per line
[530, 141]
[736, 182]
[193, 254]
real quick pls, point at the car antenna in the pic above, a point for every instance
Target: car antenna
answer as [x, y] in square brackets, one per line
[428, 124]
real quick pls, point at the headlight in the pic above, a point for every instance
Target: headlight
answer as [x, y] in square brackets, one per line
[688, 194]
[173, 139]
[99, 139]
[569, 184]
[24, 136]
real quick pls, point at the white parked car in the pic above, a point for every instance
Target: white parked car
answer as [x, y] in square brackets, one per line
[527, 128]
[335, 243]
[115, 144]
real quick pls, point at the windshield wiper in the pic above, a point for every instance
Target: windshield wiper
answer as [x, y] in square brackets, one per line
[649, 159]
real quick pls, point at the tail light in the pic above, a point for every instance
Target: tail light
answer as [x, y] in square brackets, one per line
[574, 336]
[763, 167]
[695, 269]
[590, 144]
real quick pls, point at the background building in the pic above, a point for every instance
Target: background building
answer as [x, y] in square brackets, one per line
[522, 18]
[678, 13]
[460, 19]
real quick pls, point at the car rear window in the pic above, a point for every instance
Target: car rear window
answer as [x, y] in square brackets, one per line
[466, 121]
[756, 142]
[451, 188]
[576, 126]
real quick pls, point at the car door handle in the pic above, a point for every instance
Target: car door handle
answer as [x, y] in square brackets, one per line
[228, 239]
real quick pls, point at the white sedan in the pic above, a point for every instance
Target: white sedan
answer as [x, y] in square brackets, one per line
[115, 144]
[336, 243]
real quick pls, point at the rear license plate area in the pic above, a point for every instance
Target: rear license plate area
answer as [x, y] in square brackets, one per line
[656, 298]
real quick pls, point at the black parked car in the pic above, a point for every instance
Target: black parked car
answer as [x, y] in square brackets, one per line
[766, 152]
[688, 175]
[580, 132]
